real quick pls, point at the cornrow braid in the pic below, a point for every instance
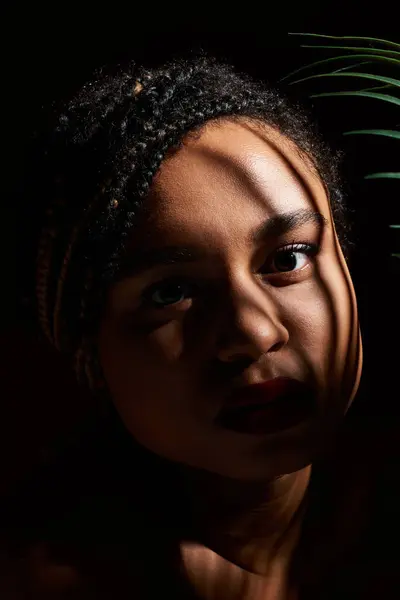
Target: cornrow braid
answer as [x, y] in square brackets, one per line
[101, 157]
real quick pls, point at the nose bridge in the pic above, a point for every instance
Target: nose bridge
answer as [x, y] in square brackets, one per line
[250, 321]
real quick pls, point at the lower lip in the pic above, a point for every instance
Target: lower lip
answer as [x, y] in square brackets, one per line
[279, 415]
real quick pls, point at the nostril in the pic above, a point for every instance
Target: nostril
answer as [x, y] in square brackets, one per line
[276, 347]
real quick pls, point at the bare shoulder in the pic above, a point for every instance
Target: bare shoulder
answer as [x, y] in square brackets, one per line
[73, 542]
[31, 573]
[38, 575]
[91, 553]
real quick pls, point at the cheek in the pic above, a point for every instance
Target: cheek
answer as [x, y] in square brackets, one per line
[325, 332]
[146, 390]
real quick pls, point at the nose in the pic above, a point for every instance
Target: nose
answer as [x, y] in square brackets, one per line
[250, 327]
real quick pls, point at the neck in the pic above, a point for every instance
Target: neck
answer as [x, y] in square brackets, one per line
[252, 524]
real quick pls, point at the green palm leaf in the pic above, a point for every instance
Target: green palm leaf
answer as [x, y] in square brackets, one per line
[385, 97]
[386, 132]
[376, 87]
[372, 55]
[344, 57]
[355, 49]
[359, 64]
[383, 176]
[379, 78]
[350, 37]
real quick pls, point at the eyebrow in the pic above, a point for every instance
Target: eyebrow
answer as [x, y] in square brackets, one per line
[284, 223]
[273, 227]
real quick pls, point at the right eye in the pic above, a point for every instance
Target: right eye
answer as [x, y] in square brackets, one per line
[168, 293]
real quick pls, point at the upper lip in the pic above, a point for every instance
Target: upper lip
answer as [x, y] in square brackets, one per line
[263, 393]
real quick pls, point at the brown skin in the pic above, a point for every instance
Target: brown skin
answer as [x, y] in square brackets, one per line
[212, 194]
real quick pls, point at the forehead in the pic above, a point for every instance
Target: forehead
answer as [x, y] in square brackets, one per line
[233, 169]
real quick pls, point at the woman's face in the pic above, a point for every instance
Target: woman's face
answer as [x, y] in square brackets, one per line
[238, 305]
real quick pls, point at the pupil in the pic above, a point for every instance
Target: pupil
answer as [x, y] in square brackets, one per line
[170, 294]
[286, 261]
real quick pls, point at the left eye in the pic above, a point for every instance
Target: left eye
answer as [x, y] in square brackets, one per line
[292, 258]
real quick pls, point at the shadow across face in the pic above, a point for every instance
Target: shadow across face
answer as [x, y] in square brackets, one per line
[235, 277]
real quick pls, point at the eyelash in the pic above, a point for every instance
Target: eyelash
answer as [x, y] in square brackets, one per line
[309, 249]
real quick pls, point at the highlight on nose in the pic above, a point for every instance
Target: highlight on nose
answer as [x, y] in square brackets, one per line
[252, 335]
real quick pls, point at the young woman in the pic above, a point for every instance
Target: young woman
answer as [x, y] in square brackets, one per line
[193, 265]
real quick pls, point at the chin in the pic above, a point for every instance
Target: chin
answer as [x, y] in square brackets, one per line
[257, 458]
[264, 468]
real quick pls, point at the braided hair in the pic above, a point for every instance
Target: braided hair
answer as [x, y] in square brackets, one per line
[101, 156]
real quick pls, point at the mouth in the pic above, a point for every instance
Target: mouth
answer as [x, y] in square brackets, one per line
[266, 408]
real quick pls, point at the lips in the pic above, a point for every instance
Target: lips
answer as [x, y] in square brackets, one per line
[268, 407]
